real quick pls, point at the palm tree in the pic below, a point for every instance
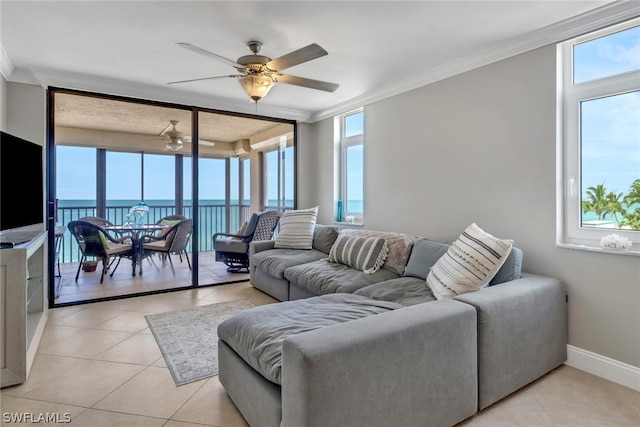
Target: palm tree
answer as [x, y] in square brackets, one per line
[632, 219]
[633, 196]
[596, 201]
[614, 206]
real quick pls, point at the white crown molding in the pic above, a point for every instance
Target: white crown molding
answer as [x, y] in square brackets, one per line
[604, 367]
[607, 15]
[6, 66]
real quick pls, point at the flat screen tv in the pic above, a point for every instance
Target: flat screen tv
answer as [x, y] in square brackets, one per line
[21, 183]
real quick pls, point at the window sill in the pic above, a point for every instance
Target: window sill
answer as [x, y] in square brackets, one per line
[634, 251]
[348, 224]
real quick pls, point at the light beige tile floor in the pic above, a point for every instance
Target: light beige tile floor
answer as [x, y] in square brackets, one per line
[99, 364]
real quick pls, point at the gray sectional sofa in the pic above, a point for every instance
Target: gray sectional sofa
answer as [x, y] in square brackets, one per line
[345, 348]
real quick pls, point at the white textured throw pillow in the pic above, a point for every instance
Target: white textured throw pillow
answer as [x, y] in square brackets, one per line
[296, 229]
[469, 263]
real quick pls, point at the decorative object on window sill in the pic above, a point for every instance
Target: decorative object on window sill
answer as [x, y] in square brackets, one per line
[350, 219]
[339, 211]
[615, 241]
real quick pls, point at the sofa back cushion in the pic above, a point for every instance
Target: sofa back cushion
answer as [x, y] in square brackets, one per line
[510, 270]
[399, 245]
[324, 236]
[424, 255]
[296, 229]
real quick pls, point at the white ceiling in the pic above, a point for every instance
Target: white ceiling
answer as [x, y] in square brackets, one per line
[376, 48]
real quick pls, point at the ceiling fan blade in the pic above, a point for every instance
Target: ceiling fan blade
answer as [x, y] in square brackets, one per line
[310, 83]
[206, 53]
[201, 141]
[165, 130]
[296, 57]
[203, 78]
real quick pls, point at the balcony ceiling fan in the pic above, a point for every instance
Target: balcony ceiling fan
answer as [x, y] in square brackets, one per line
[259, 73]
[177, 138]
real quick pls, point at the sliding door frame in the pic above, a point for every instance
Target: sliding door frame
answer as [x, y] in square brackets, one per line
[51, 169]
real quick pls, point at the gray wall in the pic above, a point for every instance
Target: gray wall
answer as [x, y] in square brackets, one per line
[26, 112]
[3, 103]
[481, 147]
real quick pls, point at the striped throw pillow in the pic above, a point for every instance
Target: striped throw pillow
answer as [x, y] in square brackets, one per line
[364, 254]
[469, 263]
[296, 229]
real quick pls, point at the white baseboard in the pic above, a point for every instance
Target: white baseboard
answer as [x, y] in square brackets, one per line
[610, 369]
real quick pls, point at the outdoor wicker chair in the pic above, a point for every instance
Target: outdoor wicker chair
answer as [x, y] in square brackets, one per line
[173, 241]
[94, 241]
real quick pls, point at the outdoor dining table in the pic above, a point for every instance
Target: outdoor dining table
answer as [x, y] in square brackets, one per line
[137, 234]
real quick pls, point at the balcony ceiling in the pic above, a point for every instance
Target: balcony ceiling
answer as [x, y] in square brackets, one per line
[376, 49]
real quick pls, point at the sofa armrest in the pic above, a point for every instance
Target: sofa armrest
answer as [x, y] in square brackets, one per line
[411, 366]
[522, 333]
[260, 245]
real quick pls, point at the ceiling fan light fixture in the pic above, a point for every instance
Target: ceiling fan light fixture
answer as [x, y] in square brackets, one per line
[256, 86]
[174, 144]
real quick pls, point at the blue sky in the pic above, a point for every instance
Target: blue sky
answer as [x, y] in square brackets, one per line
[610, 126]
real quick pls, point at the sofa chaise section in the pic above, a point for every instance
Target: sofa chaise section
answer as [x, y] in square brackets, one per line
[422, 358]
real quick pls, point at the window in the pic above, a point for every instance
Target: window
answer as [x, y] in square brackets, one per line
[246, 181]
[124, 177]
[601, 136]
[279, 178]
[350, 206]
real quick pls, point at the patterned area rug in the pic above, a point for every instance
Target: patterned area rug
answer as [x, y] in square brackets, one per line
[188, 338]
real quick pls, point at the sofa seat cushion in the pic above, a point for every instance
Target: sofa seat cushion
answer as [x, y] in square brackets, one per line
[229, 244]
[256, 335]
[324, 277]
[275, 261]
[403, 290]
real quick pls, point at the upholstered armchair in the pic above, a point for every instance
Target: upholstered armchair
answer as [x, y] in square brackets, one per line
[233, 249]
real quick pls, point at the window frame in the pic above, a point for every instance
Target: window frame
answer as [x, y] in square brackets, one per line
[571, 232]
[284, 152]
[347, 142]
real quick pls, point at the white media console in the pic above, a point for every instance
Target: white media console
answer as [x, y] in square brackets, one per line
[23, 306]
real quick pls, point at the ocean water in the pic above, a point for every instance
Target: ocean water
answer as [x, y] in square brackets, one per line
[591, 216]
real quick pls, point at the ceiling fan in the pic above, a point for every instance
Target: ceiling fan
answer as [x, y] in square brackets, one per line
[177, 138]
[258, 73]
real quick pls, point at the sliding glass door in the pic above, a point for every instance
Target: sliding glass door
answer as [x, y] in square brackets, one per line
[113, 157]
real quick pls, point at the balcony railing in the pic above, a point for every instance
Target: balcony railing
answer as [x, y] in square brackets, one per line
[212, 219]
